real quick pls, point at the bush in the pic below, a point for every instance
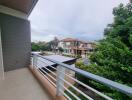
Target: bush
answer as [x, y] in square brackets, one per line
[98, 86]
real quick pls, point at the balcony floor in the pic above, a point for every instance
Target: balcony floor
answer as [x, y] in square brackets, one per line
[21, 85]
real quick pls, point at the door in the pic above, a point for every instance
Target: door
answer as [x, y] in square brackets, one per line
[1, 59]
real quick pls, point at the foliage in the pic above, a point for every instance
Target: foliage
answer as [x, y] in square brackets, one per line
[114, 53]
[95, 69]
[34, 47]
[78, 56]
[43, 46]
[61, 49]
[54, 44]
[112, 57]
[40, 46]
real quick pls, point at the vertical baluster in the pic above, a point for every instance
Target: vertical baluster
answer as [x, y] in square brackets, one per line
[34, 61]
[60, 82]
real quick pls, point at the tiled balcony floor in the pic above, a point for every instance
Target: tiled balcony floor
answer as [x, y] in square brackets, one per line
[21, 85]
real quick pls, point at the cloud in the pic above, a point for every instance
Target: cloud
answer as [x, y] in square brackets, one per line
[83, 19]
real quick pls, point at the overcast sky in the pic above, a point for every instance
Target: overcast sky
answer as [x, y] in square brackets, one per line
[82, 19]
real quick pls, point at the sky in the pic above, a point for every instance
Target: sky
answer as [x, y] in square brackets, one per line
[81, 19]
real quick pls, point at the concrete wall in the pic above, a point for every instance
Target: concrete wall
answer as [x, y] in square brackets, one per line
[12, 12]
[15, 33]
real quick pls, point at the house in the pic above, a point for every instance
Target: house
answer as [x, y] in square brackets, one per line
[76, 47]
[21, 77]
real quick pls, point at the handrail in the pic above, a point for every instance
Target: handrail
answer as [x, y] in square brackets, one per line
[117, 86]
[81, 83]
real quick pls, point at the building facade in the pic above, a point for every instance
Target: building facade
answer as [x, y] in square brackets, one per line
[76, 47]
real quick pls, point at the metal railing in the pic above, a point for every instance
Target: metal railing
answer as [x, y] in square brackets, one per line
[57, 77]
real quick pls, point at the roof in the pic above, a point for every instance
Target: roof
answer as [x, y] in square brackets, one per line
[69, 40]
[73, 40]
[36, 52]
[63, 59]
[24, 6]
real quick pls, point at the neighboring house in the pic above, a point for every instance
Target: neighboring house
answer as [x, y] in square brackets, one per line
[76, 47]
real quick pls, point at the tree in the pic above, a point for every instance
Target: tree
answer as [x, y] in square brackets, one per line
[61, 49]
[112, 58]
[40, 46]
[54, 44]
[34, 47]
[114, 53]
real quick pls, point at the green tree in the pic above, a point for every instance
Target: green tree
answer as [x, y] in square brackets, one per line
[112, 57]
[61, 49]
[40, 46]
[114, 53]
[54, 44]
[35, 47]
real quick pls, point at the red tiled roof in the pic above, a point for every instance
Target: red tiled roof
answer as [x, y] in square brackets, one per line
[73, 40]
[69, 40]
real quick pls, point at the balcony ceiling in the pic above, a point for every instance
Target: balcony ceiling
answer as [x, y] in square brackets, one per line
[24, 6]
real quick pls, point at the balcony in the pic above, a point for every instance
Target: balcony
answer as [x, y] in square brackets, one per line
[20, 84]
[61, 78]
[49, 79]
[46, 78]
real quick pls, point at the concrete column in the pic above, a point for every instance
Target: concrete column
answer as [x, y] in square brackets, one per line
[16, 42]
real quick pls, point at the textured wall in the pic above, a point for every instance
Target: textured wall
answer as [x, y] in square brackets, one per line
[15, 42]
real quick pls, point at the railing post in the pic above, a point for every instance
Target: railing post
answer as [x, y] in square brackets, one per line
[34, 63]
[60, 82]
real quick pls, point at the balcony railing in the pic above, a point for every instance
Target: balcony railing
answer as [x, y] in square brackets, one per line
[56, 76]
